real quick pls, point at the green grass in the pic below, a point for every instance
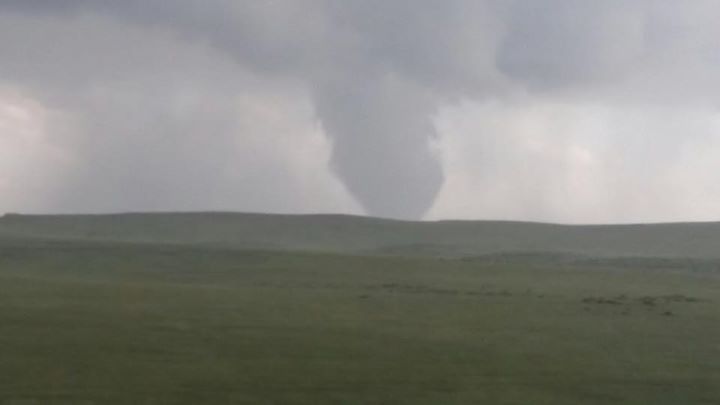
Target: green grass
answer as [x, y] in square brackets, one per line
[361, 235]
[123, 323]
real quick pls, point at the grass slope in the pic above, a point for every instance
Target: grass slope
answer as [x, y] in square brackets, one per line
[178, 309]
[360, 235]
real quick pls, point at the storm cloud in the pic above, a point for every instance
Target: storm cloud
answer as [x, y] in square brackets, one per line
[562, 110]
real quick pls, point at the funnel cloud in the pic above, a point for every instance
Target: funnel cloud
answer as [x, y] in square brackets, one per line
[381, 132]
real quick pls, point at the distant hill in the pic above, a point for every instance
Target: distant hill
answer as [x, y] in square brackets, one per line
[364, 235]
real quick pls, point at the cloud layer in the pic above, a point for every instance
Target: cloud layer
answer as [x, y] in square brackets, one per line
[561, 110]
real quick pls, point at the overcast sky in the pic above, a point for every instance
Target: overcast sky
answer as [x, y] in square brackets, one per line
[574, 111]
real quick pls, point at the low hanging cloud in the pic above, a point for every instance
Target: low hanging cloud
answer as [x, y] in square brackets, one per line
[220, 104]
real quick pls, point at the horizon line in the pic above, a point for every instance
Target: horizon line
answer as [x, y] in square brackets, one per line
[347, 215]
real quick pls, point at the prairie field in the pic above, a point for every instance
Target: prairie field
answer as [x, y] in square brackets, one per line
[86, 321]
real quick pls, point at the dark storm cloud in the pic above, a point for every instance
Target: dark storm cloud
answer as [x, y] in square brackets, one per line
[568, 42]
[376, 73]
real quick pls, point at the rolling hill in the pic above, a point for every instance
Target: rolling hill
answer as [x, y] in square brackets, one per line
[224, 308]
[364, 235]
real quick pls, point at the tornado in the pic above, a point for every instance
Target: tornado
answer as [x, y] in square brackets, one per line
[381, 131]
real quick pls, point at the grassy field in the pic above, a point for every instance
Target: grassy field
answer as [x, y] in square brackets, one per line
[86, 322]
[373, 236]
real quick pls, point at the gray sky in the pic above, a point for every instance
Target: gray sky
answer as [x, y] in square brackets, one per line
[577, 111]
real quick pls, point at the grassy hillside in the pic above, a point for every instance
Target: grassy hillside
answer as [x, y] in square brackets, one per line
[85, 323]
[360, 235]
[267, 309]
